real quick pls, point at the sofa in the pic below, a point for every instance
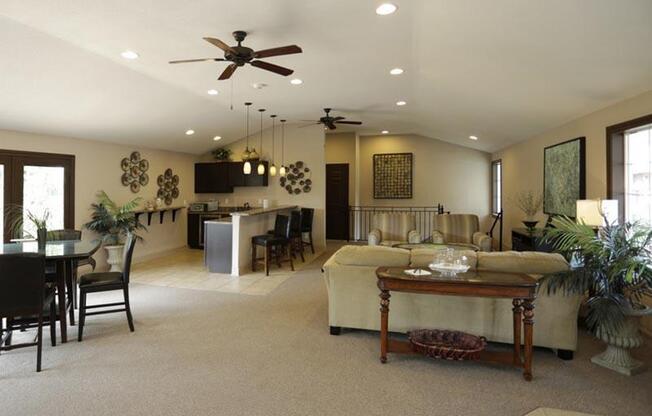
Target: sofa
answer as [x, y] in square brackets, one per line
[390, 228]
[353, 300]
[459, 228]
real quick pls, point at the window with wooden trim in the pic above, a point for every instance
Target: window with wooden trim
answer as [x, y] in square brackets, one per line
[496, 187]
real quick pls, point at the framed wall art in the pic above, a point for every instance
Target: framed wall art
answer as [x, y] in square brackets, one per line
[564, 176]
[392, 175]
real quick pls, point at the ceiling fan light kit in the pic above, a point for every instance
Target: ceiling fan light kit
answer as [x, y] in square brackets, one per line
[241, 55]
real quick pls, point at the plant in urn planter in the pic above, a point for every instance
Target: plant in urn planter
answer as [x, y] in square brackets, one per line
[614, 269]
[113, 223]
[530, 204]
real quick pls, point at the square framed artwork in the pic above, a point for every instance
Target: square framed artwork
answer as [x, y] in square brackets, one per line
[564, 177]
[392, 175]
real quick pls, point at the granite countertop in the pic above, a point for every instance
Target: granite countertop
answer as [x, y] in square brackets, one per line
[225, 220]
[260, 211]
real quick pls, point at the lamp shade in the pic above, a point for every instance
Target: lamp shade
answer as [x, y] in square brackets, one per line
[594, 211]
[246, 168]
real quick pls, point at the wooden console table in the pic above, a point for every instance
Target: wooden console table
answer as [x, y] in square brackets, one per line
[519, 287]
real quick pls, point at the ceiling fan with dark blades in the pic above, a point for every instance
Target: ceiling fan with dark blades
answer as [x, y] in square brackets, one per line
[240, 55]
[330, 122]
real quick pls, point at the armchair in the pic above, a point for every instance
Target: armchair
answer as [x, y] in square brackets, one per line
[391, 228]
[460, 228]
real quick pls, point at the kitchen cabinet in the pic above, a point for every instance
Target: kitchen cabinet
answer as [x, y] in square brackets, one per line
[222, 177]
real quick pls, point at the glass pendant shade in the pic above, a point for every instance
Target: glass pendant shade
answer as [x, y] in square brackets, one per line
[246, 169]
[281, 171]
[272, 170]
[261, 168]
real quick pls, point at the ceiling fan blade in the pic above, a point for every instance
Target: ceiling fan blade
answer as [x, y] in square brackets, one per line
[349, 122]
[220, 44]
[331, 126]
[183, 61]
[338, 118]
[308, 125]
[282, 50]
[228, 72]
[271, 67]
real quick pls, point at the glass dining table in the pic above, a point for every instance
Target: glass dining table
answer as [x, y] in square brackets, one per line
[62, 255]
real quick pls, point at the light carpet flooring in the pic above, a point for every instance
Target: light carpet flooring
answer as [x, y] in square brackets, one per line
[203, 352]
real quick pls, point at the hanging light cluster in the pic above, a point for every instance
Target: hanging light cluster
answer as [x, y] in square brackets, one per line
[249, 156]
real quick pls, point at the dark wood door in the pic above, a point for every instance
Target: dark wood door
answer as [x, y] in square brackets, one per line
[337, 201]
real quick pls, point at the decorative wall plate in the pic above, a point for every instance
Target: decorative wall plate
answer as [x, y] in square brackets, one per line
[168, 186]
[134, 168]
[298, 179]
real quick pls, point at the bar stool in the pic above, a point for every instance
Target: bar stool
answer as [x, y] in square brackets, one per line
[275, 244]
[307, 215]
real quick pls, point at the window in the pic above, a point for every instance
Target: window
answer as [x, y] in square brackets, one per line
[37, 182]
[629, 168]
[496, 186]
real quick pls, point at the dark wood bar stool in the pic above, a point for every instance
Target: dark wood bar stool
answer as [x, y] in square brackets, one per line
[275, 245]
[307, 215]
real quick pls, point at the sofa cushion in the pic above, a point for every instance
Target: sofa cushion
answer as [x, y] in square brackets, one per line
[529, 262]
[422, 257]
[372, 256]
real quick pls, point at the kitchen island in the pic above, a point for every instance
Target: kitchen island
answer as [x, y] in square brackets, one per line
[243, 226]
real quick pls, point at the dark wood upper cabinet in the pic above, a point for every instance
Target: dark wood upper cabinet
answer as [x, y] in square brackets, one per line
[221, 177]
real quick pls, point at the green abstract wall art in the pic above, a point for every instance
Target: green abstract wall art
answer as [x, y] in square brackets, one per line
[564, 180]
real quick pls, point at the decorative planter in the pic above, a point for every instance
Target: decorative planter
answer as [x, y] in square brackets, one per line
[114, 258]
[41, 237]
[530, 224]
[617, 357]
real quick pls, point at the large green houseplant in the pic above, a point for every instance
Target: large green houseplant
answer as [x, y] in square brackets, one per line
[614, 269]
[112, 223]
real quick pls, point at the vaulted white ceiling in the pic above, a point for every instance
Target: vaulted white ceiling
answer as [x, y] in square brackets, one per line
[502, 70]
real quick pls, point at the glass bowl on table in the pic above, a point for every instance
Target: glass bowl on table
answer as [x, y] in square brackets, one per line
[449, 263]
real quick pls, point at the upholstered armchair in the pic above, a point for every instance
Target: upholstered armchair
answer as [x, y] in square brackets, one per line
[461, 229]
[389, 228]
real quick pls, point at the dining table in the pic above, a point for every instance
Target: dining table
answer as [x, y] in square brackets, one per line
[62, 257]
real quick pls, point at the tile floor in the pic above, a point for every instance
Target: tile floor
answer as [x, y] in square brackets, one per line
[184, 268]
[555, 412]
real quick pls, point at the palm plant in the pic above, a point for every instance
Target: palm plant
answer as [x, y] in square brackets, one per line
[614, 269]
[113, 222]
[15, 220]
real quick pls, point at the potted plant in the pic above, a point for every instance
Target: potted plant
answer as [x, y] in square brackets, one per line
[614, 269]
[530, 204]
[113, 223]
[15, 222]
[222, 154]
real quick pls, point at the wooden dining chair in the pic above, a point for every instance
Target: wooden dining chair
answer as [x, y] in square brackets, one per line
[105, 281]
[25, 299]
[307, 215]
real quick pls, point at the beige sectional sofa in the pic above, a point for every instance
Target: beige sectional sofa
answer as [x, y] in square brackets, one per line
[353, 300]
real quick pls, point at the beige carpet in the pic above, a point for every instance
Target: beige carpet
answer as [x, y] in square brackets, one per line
[211, 353]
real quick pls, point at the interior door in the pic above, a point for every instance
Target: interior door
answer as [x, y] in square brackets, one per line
[337, 201]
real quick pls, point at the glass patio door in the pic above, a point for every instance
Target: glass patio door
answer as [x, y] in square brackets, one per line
[4, 189]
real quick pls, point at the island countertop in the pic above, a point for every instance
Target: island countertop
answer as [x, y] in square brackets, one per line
[260, 211]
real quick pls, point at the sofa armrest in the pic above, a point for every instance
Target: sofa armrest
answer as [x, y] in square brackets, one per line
[414, 237]
[438, 237]
[375, 237]
[482, 240]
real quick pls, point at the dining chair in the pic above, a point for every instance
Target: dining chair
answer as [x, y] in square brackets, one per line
[106, 281]
[307, 215]
[25, 299]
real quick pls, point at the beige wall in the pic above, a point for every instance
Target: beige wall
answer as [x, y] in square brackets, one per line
[341, 148]
[304, 144]
[523, 162]
[456, 176]
[97, 167]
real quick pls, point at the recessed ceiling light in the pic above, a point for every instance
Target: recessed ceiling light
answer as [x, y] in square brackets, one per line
[216, 138]
[400, 103]
[259, 85]
[129, 54]
[385, 9]
[396, 71]
[473, 137]
[212, 92]
[296, 81]
[190, 132]
[385, 131]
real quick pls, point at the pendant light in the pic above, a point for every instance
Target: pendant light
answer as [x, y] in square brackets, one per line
[246, 168]
[272, 168]
[261, 167]
[282, 170]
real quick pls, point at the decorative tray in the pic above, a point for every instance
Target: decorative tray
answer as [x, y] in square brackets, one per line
[448, 345]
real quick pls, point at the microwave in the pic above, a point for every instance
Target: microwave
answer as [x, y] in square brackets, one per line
[203, 206]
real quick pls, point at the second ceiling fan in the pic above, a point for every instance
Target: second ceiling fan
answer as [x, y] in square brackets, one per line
[240, 55]
[330, 121]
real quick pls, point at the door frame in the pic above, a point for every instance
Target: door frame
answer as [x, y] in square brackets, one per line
[14, 162]
[348, 218]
